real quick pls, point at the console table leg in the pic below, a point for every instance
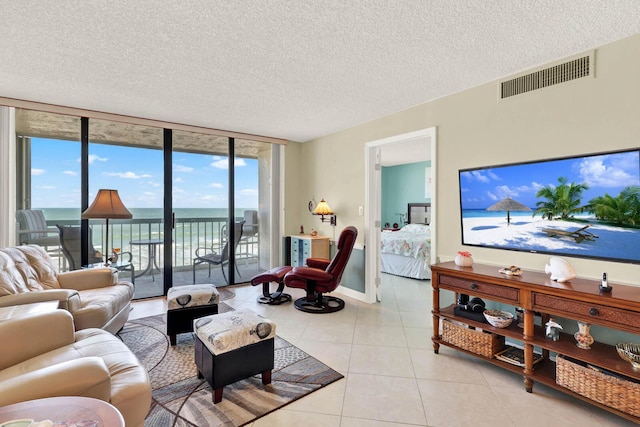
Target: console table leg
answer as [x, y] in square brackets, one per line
[528, 384]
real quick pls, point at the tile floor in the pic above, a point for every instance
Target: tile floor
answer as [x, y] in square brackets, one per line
[393, 377]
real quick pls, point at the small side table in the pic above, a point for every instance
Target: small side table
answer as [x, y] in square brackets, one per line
[152, 262]
[67, 410]
[13, 311]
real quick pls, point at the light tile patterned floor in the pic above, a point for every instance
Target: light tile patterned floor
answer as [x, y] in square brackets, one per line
[392, 376]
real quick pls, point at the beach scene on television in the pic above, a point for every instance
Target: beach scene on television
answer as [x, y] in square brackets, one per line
[584, 206]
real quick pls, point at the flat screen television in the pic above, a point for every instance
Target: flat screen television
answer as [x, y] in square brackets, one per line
[585, 206]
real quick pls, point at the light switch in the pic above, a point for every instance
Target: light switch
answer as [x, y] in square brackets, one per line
[360, 210]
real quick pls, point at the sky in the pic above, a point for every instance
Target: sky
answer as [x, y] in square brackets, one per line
[604, 173]
[199, 180]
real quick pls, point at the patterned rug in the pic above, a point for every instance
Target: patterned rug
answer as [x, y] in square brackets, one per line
[181, 399]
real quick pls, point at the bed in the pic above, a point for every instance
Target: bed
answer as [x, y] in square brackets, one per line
[407, 252]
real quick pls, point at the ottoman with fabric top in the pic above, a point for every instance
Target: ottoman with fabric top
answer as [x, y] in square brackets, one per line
[186, 303]
[232, 346]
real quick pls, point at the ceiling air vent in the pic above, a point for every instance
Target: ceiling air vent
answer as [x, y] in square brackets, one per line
[564, 72]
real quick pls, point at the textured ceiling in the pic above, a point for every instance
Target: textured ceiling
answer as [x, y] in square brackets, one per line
[288, 69]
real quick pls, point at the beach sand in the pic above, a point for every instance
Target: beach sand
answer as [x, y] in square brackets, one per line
[526, 233]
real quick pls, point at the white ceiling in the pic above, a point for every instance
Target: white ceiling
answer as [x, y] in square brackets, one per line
[288, 69]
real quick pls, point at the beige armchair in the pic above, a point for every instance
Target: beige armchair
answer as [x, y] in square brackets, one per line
[95, 297]
[47, 358]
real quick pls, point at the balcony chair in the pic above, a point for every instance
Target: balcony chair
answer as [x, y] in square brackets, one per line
[249, 235]
[33, 230]
[323, 275]
[71, 248]
[211, 257]
[250, 228]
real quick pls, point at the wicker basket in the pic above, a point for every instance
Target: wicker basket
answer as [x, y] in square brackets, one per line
[483, 343]
[612, 391]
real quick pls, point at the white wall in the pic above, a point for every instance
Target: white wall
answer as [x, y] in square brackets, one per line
[474, 129]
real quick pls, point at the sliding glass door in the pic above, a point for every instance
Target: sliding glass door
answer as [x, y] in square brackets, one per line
[129, 159]
[201, 203]
[216, 203]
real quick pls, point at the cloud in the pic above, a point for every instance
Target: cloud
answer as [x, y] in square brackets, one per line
[70, 173]
[480, 176]
[597, 173]
[215, 185]
[223, 162]
[181, 168]
[178, 180]
[37, 172]
[93, 158]
[505, 191]
[248, 192]
[129, 175]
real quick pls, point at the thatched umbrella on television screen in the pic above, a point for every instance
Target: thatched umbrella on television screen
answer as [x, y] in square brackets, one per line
[508, 205]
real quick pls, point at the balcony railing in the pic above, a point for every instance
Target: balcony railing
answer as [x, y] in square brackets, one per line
[188, 235]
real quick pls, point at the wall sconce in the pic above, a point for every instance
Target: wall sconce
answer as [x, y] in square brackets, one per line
[107, 204]
[323, 210]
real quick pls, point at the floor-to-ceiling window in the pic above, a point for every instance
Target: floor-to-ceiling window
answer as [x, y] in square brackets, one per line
[49, 171]
[202, 199]
[176, 209]
[129, 158]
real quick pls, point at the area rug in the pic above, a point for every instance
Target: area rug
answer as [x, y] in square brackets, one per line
[181, 399]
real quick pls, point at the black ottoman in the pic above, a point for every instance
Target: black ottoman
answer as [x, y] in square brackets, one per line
[232, 346]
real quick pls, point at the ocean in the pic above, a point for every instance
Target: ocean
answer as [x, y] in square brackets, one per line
[71, 214]
[200, 228]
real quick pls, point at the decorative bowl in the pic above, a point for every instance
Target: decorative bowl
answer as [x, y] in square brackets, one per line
[630, 352]
[498, 318]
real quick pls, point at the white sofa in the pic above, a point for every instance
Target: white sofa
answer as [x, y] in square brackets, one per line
[95, 297]
[44, 356]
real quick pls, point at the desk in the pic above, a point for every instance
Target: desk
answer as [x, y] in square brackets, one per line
[66, 410]
[152, 261]
[13, 311]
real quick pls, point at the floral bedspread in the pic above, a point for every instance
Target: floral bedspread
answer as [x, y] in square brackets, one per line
[412, 240]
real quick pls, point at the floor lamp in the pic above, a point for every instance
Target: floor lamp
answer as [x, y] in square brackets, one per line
[107, 205]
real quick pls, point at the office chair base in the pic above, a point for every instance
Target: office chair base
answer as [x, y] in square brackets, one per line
[324, 304]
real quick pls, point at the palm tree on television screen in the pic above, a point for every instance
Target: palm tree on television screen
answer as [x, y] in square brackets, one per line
[562, 201]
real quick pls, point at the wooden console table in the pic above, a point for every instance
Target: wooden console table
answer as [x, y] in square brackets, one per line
[579, 300]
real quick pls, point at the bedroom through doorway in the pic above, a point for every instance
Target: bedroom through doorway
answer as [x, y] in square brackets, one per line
[401, 221]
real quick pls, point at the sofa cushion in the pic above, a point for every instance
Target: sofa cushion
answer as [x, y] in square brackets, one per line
[95, 297]
[26, 268]
[130, 391]
[99, 306]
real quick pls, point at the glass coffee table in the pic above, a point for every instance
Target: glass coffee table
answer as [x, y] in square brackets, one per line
[64, 411]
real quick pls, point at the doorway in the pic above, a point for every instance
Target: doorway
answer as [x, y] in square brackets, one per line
[424, 139]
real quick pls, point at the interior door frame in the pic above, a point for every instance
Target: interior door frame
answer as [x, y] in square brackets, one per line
[373, 189]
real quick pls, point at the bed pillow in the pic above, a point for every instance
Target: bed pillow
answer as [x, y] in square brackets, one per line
[416, 228]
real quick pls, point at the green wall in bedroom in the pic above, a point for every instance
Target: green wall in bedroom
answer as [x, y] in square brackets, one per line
[402, 184]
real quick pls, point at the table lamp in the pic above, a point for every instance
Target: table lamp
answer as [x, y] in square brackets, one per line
[107, 205]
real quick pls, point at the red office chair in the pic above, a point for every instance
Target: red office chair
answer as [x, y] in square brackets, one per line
[323, 275]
